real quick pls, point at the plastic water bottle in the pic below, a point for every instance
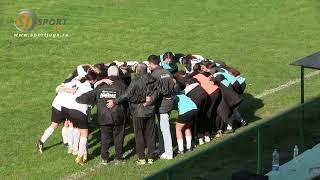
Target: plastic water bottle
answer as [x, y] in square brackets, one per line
[275, 163]
[295, 154]
[295, 151]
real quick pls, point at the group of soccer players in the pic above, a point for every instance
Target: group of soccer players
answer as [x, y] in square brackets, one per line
[206, 94]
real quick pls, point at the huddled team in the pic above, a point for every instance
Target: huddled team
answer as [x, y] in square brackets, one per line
[206, 94]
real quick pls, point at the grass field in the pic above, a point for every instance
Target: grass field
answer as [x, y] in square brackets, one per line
[260, 38]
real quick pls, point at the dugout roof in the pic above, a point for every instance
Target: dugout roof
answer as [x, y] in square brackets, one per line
[312, 61]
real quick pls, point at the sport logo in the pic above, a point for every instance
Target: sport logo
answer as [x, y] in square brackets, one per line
[25, 20]
[108, 94]
[163, 76]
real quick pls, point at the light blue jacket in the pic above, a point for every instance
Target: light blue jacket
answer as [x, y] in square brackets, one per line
[185, 104]
[230, 78]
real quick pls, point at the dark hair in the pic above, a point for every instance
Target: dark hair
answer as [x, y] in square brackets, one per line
[86, 68]
[177, 56]
[181, 81]
[189, 57]
[154, 59]
[177, 76]
[177, 88]
[125, 67]
[206, 63]
[197, 67]
[112, 64]
[234, 71]
[168, 55]
[222, 63]
[99, 65]
[103, 70]
[185, 61]
[211, 66]
[191, 81]
[213, 70]
[181, 73]
[91, 75]
[207, 74]
[218, 79]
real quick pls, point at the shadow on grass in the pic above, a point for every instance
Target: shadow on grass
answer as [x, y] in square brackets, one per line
[249, 107]
[95, 140]
[51, 146]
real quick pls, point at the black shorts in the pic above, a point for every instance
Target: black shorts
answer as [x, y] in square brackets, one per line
[188, 117]
[57, 116]
[78, 119]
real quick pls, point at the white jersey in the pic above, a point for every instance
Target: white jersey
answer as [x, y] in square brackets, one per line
[190, 88]
[129, 63]
[118, 63]
[197, 59]
[61, 97]
[132, 63]
[72, 103]
[81, 72]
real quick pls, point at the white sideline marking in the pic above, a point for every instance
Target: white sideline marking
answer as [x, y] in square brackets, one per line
[283, 86]
[88, 170]
[85, 172]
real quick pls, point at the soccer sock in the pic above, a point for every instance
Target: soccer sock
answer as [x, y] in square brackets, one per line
[64, 134]
[76, 138]
[180, 144]
[47, 133]
[70, 137]
[201, 141]
[229, 127]
[188, 141]
[82, 146]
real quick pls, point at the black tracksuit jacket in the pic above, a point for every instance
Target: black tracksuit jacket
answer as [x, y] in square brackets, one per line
[100, 95]
[165, 87]
[140, 87]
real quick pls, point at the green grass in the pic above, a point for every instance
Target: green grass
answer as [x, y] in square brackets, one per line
[260, 38]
